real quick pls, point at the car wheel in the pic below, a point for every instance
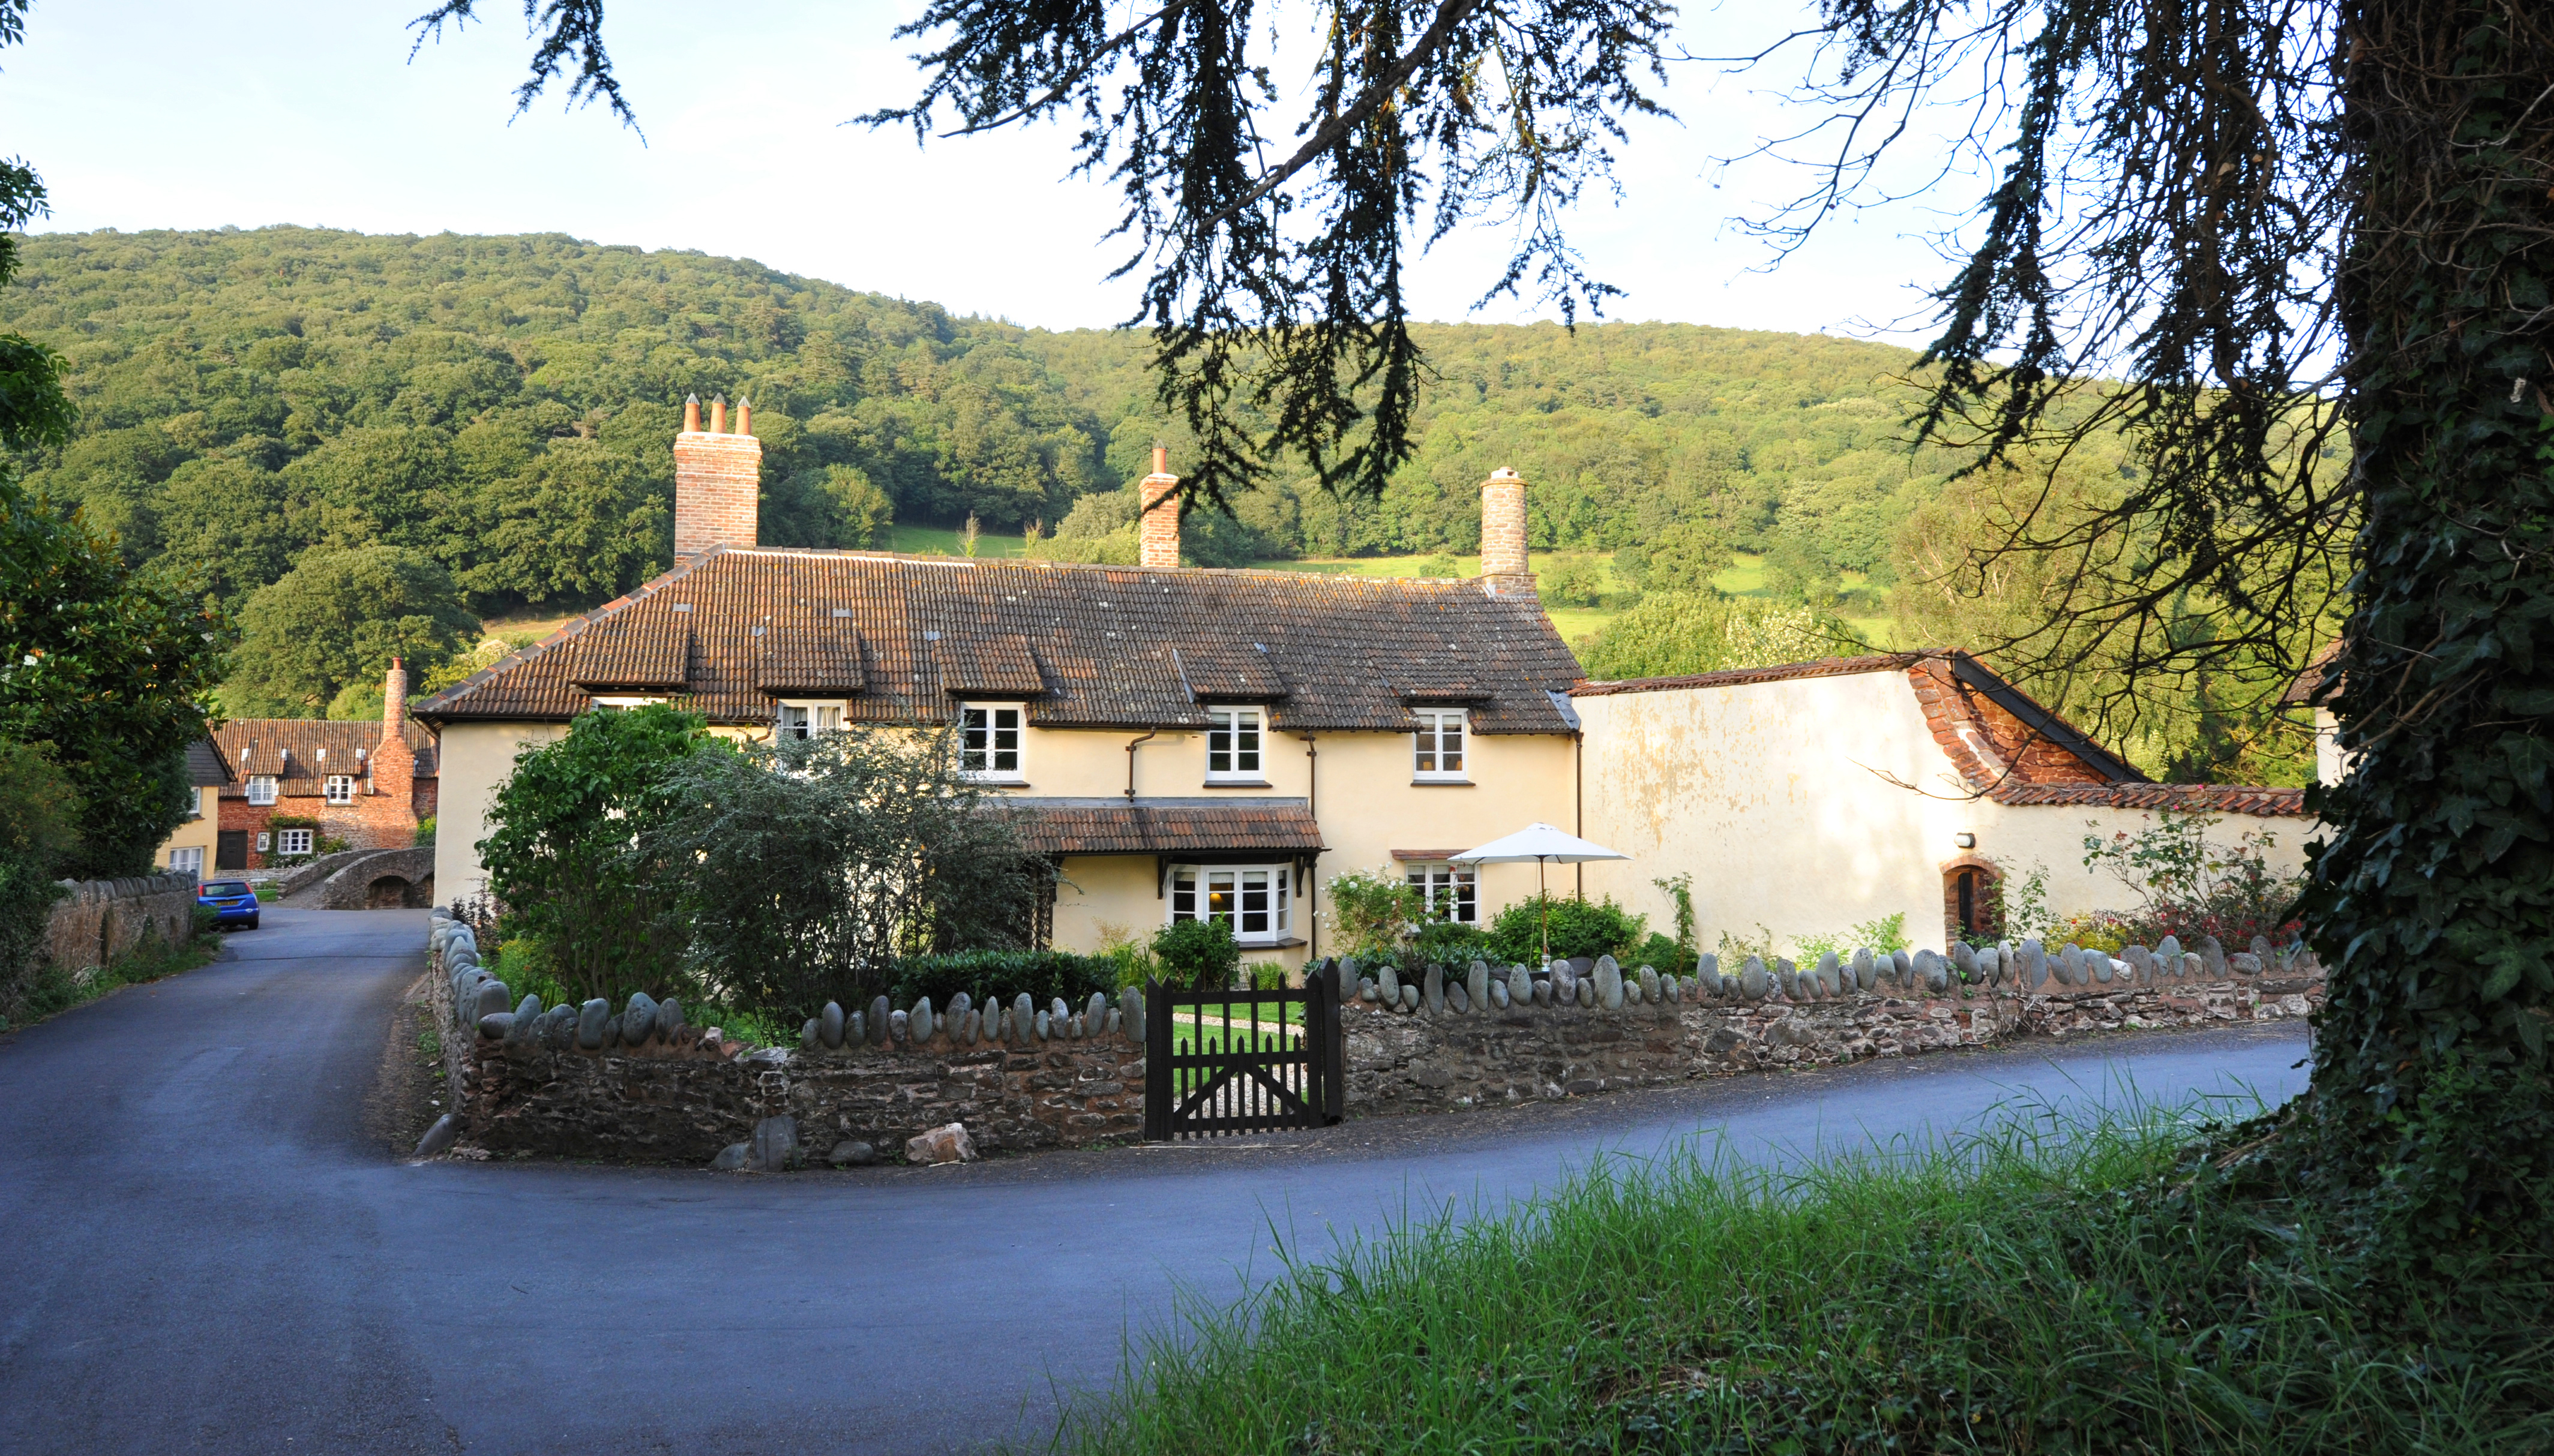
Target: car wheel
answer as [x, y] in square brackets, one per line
[252, 921]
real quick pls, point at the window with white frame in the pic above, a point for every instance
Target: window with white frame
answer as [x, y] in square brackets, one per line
[807, 720]
[1232, 745]
[1257, 900]
[341, 788]
[261, 788]
[264, 842]
[1440, 745]
[1447, 890]
[187, 861]
[293, 842]
[990, 741]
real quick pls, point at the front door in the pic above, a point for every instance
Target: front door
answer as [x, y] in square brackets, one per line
[232, 850]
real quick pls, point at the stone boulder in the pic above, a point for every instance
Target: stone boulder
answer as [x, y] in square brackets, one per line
[946, 1144]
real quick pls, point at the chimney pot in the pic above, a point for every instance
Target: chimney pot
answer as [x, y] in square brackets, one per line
[1505, 570]
[745, 417]
[394, 697]
[718, 415]
[692, 416]
[1157, 529]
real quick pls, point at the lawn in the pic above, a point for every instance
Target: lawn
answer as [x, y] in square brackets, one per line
[2044, 1287]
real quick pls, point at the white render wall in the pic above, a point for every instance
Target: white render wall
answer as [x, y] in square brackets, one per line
[472, 760]
[1810, 805]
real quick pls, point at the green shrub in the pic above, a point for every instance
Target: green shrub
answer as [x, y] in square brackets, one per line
[1443, 943]
[1372, 912]
[1578, 928]
[1199, 954]
[990, 976]
[1665, 955]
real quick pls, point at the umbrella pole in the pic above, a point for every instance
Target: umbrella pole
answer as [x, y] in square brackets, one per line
[1542, 901]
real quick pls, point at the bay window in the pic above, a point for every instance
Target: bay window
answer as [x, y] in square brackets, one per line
[1257, 900]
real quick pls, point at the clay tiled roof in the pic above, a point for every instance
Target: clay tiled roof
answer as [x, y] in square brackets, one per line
[2188, 798]
[1107, 646]
[205, 766]
[289, 749]
[1167, 825]
[1224, 672]
[809, 655]
[1002, 665]
[2302, 691]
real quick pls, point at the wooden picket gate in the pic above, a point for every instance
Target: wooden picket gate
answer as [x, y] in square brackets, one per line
[1241, 1061]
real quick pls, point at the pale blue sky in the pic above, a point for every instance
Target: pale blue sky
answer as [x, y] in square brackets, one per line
[147, 113]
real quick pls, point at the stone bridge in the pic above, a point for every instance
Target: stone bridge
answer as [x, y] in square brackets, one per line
[384, 879]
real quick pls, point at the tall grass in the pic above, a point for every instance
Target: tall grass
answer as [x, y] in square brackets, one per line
[2048, 1285]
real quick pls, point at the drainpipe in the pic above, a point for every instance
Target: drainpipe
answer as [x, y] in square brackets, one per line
[1131, 762]
[1579, 800]
[1313, 881]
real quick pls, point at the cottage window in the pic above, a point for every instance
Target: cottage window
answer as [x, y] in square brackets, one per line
[1441, 746]
[188, 860]
[264, 842]
[261, 788]
[1257, 900]
[989, 747]
[807, 720]
[1232, 745]
[341, 788]
[1447, 890]
[293, 842]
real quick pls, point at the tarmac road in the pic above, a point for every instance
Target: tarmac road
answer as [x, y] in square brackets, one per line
[202, 1250]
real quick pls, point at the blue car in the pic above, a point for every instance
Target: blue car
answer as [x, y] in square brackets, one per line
[231, 901]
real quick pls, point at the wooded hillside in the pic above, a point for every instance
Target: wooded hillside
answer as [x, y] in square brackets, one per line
[504, 405]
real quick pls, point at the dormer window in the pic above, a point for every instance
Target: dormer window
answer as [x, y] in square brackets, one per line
[1440, 750]
[989, 747]
[341, 788]
[261, 788]
[807, 720]
[1232, 745]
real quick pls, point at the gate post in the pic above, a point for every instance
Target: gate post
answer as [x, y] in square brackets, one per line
[1157, 1063]
[1334, 1048]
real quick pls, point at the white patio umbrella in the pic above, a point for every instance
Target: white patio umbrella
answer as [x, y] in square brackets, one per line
[1544, 844]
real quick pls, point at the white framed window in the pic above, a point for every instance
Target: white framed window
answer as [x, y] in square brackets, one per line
[1233, 746]
[626, 700]
[807, 720]
[261, 788]
[292, 842]
[990, 741]
[1441, 746]
[264, 842]
[1257, 900]
[187, 861]
[341, 788]
[195, 803]
[1448, 890]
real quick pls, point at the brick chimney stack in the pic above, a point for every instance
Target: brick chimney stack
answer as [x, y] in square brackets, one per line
[393, 770]
[1504, 569]
[1158, 528]
[717, 480]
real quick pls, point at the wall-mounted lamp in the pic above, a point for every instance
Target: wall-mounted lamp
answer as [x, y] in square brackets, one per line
[1965, 841]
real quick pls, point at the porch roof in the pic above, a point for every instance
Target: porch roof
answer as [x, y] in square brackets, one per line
[1168, 826]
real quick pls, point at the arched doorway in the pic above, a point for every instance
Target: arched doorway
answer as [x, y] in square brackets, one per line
[1972, 900]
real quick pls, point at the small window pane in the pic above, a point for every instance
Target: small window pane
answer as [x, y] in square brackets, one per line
[1449, 743]
[1254, 902]
[1218, 895]
[1006, 740]
[976, 731]
[1246, 742]
[1183, 895]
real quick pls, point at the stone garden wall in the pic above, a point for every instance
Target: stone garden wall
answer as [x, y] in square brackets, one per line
[640, 1083]
[100, 921]
[1502, 1037]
